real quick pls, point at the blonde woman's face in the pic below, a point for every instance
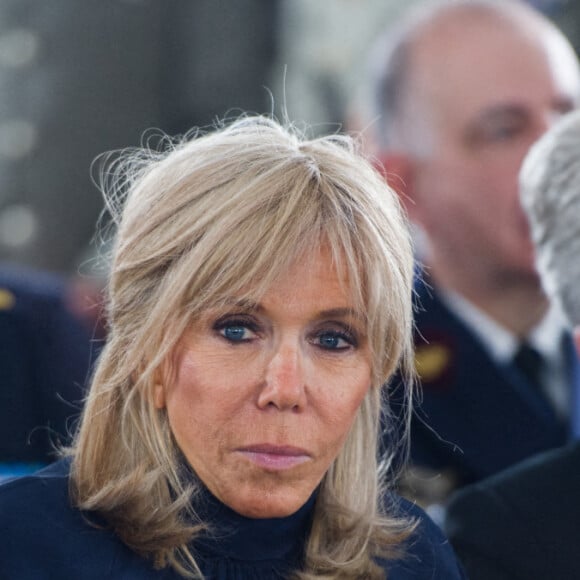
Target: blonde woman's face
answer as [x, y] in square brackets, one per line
[265, 393]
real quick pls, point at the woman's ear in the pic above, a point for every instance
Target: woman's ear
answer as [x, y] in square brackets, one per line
[160, 378]
[159, 395]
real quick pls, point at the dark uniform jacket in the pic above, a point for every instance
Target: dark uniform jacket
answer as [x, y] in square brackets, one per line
[523, 524]
[45, 355]
[476, 417]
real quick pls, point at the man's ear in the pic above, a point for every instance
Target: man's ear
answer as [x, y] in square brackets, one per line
[577, 339]
[398, 170]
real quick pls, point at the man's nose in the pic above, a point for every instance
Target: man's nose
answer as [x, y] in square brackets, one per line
[284, 382]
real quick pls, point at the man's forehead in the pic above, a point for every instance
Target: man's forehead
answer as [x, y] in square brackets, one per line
[480, 68]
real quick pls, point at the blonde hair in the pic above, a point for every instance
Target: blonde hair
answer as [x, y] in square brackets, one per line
[224, 214]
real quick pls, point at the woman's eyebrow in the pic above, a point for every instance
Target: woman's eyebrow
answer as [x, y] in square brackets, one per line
[245, 304]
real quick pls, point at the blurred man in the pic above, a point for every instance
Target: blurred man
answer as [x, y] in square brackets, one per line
[45, 354]
[525, 522]
[463, 90]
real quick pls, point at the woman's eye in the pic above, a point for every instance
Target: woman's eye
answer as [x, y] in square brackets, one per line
[334, 341]
[235, 333]
[236, 330]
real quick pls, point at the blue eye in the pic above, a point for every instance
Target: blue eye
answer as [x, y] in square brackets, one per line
[234, 333]
[236, 330]
[334, 341]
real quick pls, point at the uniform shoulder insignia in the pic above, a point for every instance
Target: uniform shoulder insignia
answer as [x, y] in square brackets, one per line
[432, 361]
[7, 299]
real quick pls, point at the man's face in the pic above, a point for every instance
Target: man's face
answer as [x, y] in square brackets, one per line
[490, 92]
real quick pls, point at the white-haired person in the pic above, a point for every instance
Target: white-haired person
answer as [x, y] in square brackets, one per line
[525, 522]
[259, 302]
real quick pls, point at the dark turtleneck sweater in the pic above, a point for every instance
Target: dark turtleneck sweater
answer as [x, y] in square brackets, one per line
[45, 538]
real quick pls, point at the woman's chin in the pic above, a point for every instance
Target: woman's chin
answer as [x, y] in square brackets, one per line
[265, 504]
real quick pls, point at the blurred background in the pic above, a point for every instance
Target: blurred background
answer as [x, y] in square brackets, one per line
[81, 78]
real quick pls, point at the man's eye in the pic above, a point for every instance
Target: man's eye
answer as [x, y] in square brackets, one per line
[334, 341]
[498, 130]
[503, 133]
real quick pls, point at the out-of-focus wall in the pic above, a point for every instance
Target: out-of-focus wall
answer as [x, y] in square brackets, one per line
[80, 78]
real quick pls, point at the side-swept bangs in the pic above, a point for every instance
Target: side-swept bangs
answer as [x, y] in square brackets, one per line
[227, 213]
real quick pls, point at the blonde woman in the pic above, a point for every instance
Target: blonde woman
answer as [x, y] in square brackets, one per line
[259, 302]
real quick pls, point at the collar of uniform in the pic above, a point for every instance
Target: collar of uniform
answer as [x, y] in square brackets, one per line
[546, 337]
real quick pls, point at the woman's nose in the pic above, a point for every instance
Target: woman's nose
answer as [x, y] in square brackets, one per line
[284, 384]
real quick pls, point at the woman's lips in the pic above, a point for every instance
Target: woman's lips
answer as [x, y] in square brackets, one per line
[275, 457]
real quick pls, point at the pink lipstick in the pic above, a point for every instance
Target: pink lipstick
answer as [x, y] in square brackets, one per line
[274, 457]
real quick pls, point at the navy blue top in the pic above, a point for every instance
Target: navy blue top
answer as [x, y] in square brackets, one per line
[45, 358]
[44, 537]
[476, 417]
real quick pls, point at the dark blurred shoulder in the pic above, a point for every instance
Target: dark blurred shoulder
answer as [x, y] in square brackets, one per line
[427, 553]
[523, 522]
